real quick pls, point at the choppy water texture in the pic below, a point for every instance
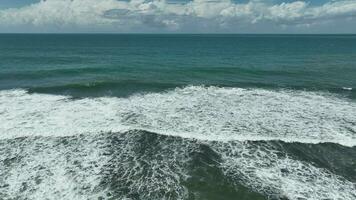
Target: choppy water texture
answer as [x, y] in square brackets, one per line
[178, 117]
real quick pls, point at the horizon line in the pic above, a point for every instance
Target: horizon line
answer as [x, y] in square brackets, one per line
[135, 33]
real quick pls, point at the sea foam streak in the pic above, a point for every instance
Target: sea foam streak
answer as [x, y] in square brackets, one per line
[205, 113]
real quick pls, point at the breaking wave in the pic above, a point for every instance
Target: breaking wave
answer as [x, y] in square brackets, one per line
[205, 113]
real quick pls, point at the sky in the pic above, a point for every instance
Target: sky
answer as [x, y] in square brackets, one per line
[177, 16]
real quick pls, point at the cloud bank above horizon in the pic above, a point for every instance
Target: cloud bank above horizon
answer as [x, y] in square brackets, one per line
[206, 16]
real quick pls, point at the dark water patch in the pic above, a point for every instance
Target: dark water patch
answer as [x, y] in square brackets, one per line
[105, 88]
[125, 88]
[334, 157]
[208, 182]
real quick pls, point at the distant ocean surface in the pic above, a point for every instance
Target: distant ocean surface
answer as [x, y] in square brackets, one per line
[143, 116]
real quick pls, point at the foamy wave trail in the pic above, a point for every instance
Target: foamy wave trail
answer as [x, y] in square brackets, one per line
[143, 165]
[105, 166]
[278, 175]
[205, 113]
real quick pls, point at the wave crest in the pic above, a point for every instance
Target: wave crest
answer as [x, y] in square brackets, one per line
[205, 113]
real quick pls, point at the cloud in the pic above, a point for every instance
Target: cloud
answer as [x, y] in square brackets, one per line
[162, 15]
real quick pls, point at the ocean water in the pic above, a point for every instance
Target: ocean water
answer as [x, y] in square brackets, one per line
[177, 116]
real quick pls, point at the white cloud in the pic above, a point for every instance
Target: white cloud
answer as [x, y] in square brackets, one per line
[163, 15]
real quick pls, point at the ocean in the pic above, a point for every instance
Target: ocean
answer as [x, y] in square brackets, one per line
[177, 116]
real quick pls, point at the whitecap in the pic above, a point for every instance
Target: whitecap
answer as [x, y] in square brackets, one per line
[347, 88]
[204, 113]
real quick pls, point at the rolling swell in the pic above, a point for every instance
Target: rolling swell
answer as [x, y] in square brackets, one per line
[124, 79]
[125, 88]
[55, 72]
[115, 88]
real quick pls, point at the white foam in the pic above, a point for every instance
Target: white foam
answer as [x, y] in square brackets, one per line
[206, 113]
[91, 167]
[347, 88]
[42, 169]
[275, 174]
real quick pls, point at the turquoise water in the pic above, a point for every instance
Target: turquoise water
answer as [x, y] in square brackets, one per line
[118, 64]
[177, 116]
